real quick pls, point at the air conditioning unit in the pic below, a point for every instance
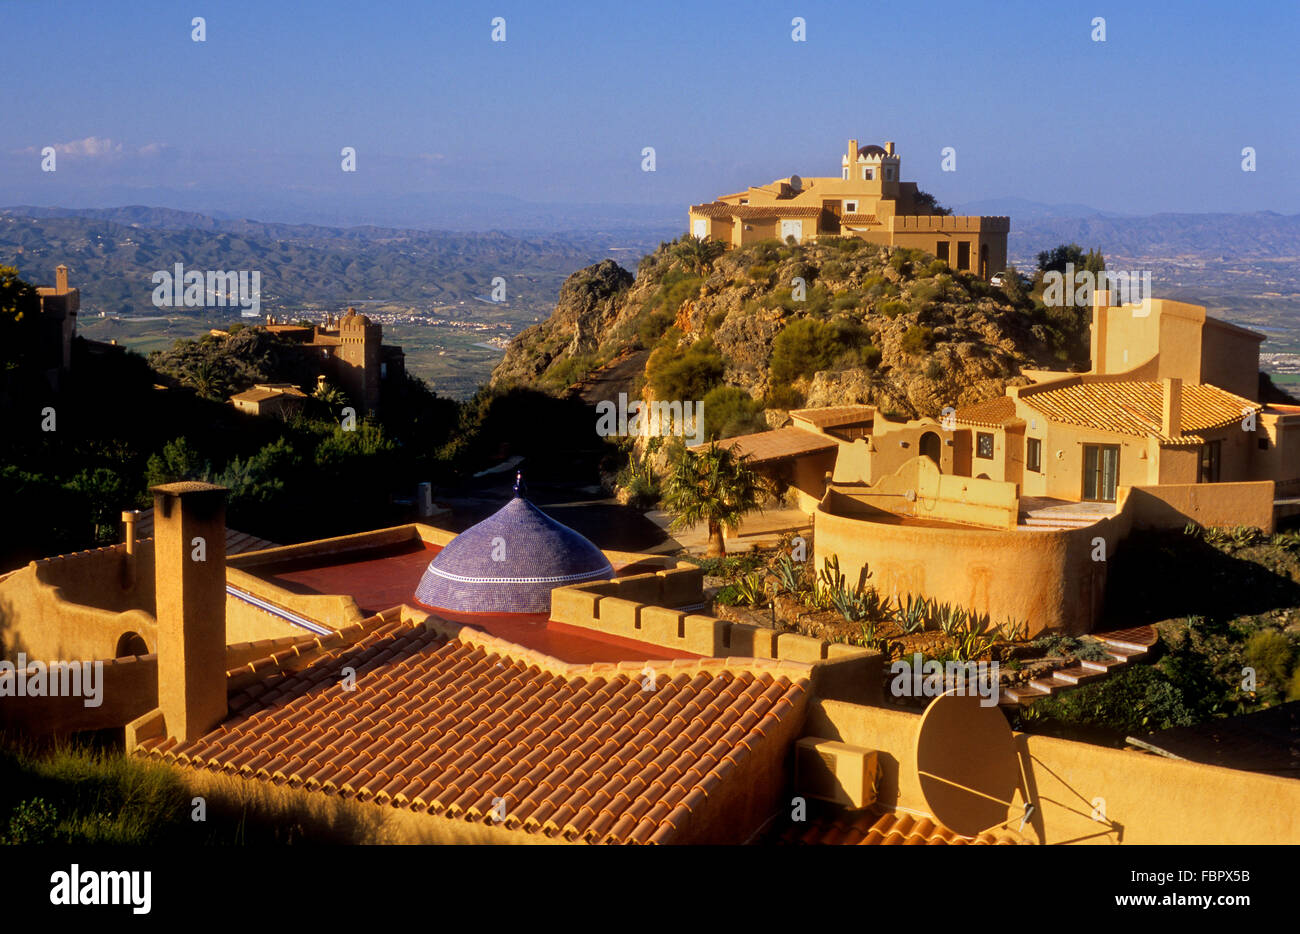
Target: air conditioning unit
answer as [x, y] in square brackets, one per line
[835, 771]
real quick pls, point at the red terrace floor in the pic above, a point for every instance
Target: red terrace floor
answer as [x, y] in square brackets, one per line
[384, 577]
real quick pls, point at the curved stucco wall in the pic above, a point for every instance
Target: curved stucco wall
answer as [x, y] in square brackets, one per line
[1047, 578]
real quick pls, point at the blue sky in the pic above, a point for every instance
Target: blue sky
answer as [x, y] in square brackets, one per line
[1153, 119]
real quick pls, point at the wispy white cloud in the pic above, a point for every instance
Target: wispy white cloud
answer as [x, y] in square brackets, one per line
[96, 147]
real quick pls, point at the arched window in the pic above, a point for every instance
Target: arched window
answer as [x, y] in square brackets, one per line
[930, 446]
[130, 643]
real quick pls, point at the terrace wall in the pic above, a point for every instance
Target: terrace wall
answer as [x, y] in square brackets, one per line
[1173, 505]
[1194, 804]
[1047, 578]
[654, 608]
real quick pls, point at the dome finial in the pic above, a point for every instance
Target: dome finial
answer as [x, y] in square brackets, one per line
[519, 483]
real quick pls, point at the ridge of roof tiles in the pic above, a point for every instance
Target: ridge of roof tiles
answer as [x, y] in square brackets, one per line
[877, 826]
[509, 563]
[447, 724]
[1134, 407]
[991, 414]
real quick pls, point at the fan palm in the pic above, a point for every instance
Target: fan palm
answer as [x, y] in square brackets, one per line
[716, 486]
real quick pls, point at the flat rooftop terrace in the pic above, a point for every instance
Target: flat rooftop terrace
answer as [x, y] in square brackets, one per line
[379, 578]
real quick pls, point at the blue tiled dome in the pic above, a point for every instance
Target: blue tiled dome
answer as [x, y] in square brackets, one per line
[509, 563]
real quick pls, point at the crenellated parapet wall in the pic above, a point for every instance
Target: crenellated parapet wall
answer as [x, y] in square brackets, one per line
[656, 609]
[947, 223]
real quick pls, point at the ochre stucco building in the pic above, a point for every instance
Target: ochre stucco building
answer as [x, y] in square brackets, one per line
[868, 200]
[1014, 507]
[313, 676]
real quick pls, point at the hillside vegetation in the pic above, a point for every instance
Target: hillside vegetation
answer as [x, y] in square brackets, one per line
[892, 327]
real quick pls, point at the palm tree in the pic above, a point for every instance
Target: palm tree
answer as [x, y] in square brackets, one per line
[207, 380]
[697, 253]
[716, 486]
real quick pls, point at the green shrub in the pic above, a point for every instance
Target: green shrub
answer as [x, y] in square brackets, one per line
[761, 272]
[674, 291]
[1133, 700]
[934, 370]
[674, 375]
[730, 411]
[653, 325]
[1270, 652]
[917, 340]
[569, 370]
[894, 309]
[866, 356]
[806, 346]
[783, 396]
[845, 301]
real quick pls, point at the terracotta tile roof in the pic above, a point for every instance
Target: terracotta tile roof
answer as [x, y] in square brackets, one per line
[1133, 407]
[770, 212]
[994, 413]
[713, 209]
[859, 219]
[780, 444]
[753, 211]
[831, 415]
[877, 826]
[448, 724]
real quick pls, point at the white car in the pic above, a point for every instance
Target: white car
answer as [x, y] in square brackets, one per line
[1000, 279]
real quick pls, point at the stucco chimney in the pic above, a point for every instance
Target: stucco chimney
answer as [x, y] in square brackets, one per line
[61, 279]
[1171, 409]
[128, 562]
[889, 148]
[853, 151]
[190, 583]
[1097, 336]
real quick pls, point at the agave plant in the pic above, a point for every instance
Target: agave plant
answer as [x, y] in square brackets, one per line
[871, 639]
[750, 589]
[970, 645]
[789, 576]
[912, 614]
[1015, 630]
[951, 619]
[977, 623]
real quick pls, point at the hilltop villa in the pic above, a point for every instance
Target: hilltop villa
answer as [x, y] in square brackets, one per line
[1015, 506]
[868, 200]
[350, 351]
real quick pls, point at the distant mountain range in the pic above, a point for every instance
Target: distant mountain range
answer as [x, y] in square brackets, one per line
[1023, 209]
[113, 252]
[1263, 235]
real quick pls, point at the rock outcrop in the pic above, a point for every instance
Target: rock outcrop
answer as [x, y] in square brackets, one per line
[920, 336]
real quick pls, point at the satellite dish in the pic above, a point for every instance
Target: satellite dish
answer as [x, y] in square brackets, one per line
[796, 182]
[967, 764]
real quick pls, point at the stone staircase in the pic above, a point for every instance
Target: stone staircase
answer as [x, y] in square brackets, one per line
[1123, 646]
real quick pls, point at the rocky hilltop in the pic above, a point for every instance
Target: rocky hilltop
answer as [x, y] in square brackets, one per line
[825, 323]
